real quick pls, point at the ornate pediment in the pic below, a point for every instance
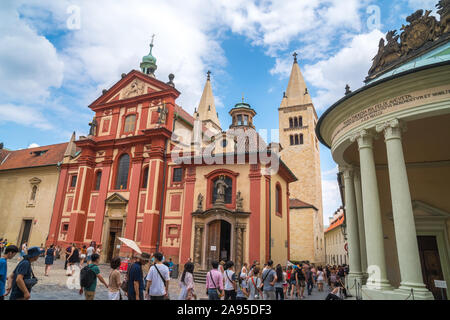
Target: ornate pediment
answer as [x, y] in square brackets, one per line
[221, 212]
[116, 199]
[421, 34]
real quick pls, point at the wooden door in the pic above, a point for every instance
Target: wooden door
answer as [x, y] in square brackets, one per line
[213, 243]
[431, 264]
[26, 228]
[115, 231]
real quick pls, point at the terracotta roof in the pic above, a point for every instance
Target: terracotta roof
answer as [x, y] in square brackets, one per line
[3, 154]
[32, 157]
[182, 113]
[336, 223]
[295, 203]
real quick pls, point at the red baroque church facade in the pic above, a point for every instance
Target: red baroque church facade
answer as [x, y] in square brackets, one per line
[121, 181]
[120, 165]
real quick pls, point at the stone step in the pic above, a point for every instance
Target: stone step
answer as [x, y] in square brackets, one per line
[200, 276]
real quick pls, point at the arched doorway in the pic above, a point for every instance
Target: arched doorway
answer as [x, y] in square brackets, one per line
[218, 241]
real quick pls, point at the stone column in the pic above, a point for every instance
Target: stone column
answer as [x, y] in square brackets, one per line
[239, 246]
[372, 213]
[359, 209]
[351, 217]
[198, 244]
[405, 229]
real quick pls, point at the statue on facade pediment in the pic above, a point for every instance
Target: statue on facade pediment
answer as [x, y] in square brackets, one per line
[386, 53]
[443, 7]
[421, 28]
[136, 88]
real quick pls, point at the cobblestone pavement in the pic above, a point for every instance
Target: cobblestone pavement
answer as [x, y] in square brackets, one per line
[58, 286]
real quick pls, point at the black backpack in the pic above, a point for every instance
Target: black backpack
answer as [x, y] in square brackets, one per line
[87, 277]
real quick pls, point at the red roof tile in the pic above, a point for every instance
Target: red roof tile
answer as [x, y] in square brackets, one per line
[27, 158]
[336, 223]
[295, 203]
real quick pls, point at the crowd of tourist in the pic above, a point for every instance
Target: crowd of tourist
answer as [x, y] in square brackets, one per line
[274, 283]
[147, 276]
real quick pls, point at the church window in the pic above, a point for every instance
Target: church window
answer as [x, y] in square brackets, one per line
[296, 139]
[65, 228]
[122, 172]
[291, 123]
[73, 181]
[291, 138]
[228, 190]
[295, 122]
[98, 179]
[145, 178]
[130, 122]
[33, 193]
[177, 175]
[300, 121]
[301, 138]
[278, 200]
[246, 120]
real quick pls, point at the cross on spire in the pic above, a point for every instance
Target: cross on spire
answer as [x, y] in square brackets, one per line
[153, 38]
[295, 57]
[209, 75]
[242, 97]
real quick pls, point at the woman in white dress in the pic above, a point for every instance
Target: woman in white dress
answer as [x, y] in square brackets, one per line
[187, 283]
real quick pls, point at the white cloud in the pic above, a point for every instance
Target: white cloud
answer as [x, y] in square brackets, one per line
[29, 62]
[114, 36]
[33, 145]
[349, 66]
[331, 198]
[24, 115]
[423, 4]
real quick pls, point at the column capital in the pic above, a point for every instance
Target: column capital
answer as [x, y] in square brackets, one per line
[347, 171]
[364, 138]
[392, 129]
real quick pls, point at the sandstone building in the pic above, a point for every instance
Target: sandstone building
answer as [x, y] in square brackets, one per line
[297, 123]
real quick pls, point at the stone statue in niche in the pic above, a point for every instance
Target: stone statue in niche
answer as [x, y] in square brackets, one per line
[220, 186]
[162, 114]
[200, 202]
[239, 202]
[93, 126]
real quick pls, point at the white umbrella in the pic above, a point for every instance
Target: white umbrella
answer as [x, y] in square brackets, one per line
[131, 244]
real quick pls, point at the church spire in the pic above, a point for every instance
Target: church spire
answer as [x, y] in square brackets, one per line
[206, 110]
[297, 92]
[148, 64]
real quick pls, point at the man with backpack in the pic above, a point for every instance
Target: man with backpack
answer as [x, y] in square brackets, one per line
[269, 277]
[88, 278]
[158, 279]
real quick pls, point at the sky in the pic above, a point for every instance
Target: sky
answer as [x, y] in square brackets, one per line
[56, 57]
